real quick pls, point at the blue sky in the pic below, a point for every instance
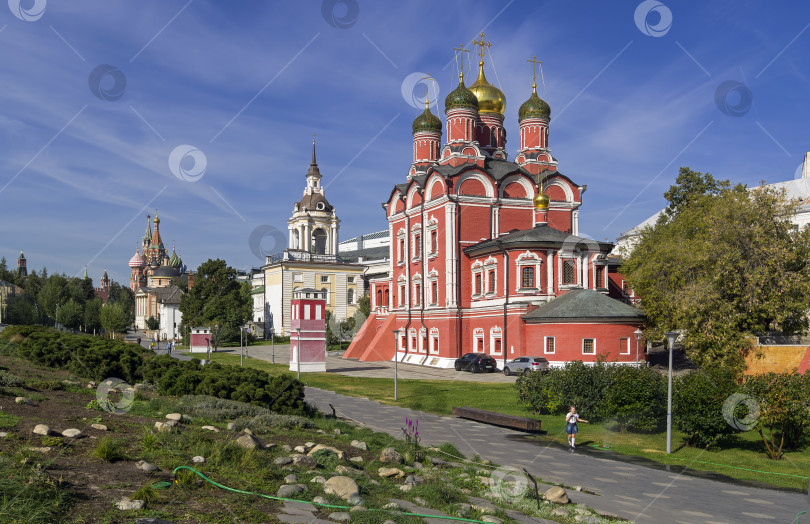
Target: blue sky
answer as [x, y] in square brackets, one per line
[96, 95]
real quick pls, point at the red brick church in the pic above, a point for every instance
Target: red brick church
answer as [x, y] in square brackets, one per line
[485, 251]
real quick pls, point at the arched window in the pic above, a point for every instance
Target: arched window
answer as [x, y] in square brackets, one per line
[350, 296]
[319, 242]
[325, 294]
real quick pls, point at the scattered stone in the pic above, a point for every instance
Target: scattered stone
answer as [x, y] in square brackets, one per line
[356, 460]
[560, 512]
[304, 462]
[391, 455]
[286, 447]
[165, 426]
[486, 462]
[414, 479]
[355, 499]
[393, 506]
[247, 430]
[578, 488]
[418, 465]
[70, 382]
[211, 428]
[41, 429]
[309, 445]
[320, 500]
[490, 518]
[589, 519]
[463, 509]
[372, 481]
[340, 516]
[351, 472]
[231, 426]
[487, 481]
[300, 449]
[359, 507]
[406, 487]
[100, 427]
[389, 521]
[151, 520]
[288, 490]
[466, 491]
[126, 504]
[582, 511]
[24, 401]
[320, 479]
[391, 472]
[283, 461]
[420, 501]
[557, 495]
[335, 450]
[44, 449]
[198, 459]
[146, 466]
[91, 385]
[174, 416]
[436, 461]
[463, 475]
[292, 478]
[72, 433]
[3, 434]
[359, 444]
[342, 486]
[336, 431]
[249, 441]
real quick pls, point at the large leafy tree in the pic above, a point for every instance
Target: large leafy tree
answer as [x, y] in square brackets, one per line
[217, 298]
[728, 264]
[114, 318]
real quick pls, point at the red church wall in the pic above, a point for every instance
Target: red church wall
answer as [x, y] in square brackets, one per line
[471, 186]
[474, 223]
[515, 190]
[560, 219]
[568, 341]
[509, 219]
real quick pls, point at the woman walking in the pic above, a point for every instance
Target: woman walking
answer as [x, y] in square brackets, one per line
[571, 420]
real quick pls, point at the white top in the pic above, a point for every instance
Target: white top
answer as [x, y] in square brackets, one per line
[572, 418]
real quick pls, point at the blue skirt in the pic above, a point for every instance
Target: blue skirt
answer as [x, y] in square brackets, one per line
[571, 429]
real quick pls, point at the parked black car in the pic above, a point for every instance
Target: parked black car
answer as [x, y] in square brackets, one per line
[477, 363]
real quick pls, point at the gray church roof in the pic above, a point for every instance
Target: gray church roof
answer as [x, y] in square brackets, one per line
[584, 304]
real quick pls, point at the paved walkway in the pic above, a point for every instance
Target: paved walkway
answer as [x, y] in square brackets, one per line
[636, 492]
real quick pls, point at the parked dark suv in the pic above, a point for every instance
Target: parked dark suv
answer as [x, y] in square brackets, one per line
[525, 365]
[477, 363]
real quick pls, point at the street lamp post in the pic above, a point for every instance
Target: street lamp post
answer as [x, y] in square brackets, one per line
[671, 336]
[298, 353]
[273, 338]
[396, 361]
[56, 319]
[241, 349]
[637, 333]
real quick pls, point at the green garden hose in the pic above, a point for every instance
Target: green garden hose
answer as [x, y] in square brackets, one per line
[217, 484]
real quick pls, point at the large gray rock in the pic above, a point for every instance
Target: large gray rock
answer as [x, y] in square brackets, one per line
[391, 455]
[304, 462]
[288, 490]
[557, 495]
[23, 401]
[335, 450]
[349, 472]
[414, 479]
[319, 479]
[341, 486]
[41, 429]
[359, 444]
[292, 478]
[283, 461]
[355, 500]
[249, 441]
[145, 466]
[126, 504]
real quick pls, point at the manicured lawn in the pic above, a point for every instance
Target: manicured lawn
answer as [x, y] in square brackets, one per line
[742, 458]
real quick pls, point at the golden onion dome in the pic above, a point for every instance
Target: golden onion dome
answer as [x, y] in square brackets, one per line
[541, 200]
[490, 98]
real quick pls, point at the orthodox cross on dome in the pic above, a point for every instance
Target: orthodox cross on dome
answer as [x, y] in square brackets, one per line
[427, 78]
[535, 62]
[461, 52]
[481, 45]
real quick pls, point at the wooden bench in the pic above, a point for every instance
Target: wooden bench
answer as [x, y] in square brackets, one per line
[497, 419]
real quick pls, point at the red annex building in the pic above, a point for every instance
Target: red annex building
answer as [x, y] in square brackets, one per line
[477, 247]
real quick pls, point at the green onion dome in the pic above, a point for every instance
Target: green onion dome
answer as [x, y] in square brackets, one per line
[427, 121]
[534, 107]
[460, 97]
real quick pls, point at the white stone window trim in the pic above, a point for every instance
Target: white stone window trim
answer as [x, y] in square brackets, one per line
[527, 259]
[624, 345]
[423, 339]
[478, 334]
[402, 247]
[432, 278]
[433, 341]
[416, 280]
[495, 333]
[476, 269]
[490, 264]
[431, 227]
[417, 246]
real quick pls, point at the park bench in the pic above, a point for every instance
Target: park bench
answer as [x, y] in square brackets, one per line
[497, 419]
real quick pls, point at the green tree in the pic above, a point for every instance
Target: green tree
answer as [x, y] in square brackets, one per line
[152, 323]
[727, 266]
[124, 296]
[364, 305]
[114, 318]
[781, 399]
[52, 294]
[71, 314]
[690, 185]
[92, 315]
[20, 309]
[5, 273]
[217, 299]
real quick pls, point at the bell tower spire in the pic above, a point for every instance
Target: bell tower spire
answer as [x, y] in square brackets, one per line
[314, 174]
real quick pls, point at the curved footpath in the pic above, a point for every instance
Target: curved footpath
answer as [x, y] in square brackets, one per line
[637, 493]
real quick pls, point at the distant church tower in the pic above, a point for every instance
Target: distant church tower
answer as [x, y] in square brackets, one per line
[314, 224]
[22, 269]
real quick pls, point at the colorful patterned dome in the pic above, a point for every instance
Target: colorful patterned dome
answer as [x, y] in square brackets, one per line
[174, 260]
[427, 121]
[460, 97]
[534, 107]
[137, 260]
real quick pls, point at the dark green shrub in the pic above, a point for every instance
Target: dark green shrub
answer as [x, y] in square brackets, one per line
[784, 414]
[697, 405]
[326, 459]
[636, 399]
